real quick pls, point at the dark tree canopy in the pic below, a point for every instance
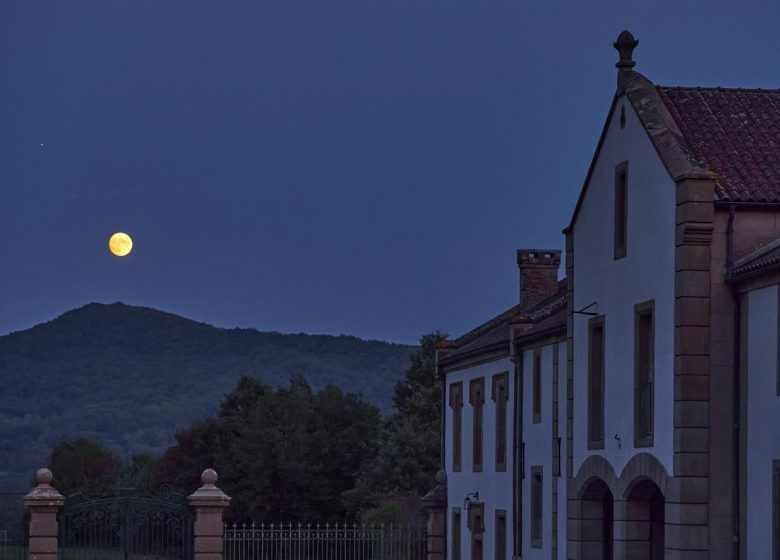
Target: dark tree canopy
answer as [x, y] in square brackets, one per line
[282, 455]
[81, 461]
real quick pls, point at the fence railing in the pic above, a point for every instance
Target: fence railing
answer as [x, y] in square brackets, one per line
[323, 541]
[12, 546]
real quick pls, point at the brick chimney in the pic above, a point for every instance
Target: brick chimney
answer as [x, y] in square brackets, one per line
[538, 275]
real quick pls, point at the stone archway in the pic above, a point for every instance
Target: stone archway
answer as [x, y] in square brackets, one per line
[596, 522]
[591, 510]
[640, 522]
[640, 513]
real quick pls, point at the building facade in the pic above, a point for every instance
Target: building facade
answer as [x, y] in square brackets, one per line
[645, 386]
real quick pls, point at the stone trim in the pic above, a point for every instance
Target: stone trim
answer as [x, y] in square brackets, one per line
[621, 210]
[596, 440]
[642, 466]
[595, 467]
[536, 386]
[456, 403]
[687, 494]
[640, 310]
[477, 400]
[500, 395]
[537, 506]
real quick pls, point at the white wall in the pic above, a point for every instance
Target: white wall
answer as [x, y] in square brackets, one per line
[645, 273]
[495, 488]
[539, 448]
[763, 410]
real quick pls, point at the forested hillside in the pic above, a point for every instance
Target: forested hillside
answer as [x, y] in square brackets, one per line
[131, 376]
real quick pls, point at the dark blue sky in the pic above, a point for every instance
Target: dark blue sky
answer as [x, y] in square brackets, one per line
[362, 167]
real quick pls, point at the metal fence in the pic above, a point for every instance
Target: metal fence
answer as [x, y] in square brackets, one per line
[323, 541]
[12, 545]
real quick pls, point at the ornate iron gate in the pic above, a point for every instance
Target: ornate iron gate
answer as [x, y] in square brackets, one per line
[132, 524]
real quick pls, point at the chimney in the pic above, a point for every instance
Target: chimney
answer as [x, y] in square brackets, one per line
[538, 275]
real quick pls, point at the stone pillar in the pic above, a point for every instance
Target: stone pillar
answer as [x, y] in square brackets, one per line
[209, 502]
[435, 503]
[43, 501]
[687, 494]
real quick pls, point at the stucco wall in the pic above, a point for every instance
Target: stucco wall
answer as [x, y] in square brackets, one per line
[645, 273]
[538, 439]
[763, 436]
[495, 488]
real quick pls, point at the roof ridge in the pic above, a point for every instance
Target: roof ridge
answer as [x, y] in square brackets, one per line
[720, 88]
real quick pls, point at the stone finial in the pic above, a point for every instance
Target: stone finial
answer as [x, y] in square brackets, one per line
[209, 477]
[437, 494]
[625, 45]
[44, 492]
[209, 493]
[44, 476]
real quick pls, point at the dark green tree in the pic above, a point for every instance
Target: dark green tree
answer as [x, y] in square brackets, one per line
[282, 455]
[82, 461]
[410, 445]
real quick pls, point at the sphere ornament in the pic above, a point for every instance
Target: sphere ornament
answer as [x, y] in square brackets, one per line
[43, 476]
[209, 477]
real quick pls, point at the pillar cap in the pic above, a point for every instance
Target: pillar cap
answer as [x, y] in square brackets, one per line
[209, 494]
[44, 494]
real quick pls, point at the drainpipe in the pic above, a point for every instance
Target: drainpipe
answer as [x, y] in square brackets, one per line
[517, 412]
[735, 387]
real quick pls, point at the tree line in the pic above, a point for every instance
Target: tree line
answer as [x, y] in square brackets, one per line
[295, 454]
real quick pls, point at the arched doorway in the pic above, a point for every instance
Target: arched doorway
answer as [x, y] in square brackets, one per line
[597, 522]
[645, 516]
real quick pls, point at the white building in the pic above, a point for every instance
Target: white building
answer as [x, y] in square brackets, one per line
[654, 431]
[496, 451]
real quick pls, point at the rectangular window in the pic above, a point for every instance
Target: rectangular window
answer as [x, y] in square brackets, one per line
[476, 515]
[456, 403]
[476, 400]
[537, 386]
[500, 396]
[621, 209]
[643, 373]
[596, 383]
[456, 533]
[776, 510]
[536, 507]
[500, 548]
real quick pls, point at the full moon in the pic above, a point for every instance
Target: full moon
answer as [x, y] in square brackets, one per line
[120, 244]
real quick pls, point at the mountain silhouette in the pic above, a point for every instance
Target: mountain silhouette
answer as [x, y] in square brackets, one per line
[129, 376]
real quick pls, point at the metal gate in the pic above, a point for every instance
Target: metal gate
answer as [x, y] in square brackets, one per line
[132, 524]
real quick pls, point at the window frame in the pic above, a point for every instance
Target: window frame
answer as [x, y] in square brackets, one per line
[500, 396]
[477, 402]
[595, 323]
[536, 386]
[536, 517]
[620, 211]
[476, 512]
[641, 310]
[457, 524]
[456, 403]
[499, 535]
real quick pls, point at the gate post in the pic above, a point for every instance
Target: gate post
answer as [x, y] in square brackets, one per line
[43, 501]
[435, 503]
[209, 502]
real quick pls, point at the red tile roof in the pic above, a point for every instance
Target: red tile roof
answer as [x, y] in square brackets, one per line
[736, 135]
[759, 260]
